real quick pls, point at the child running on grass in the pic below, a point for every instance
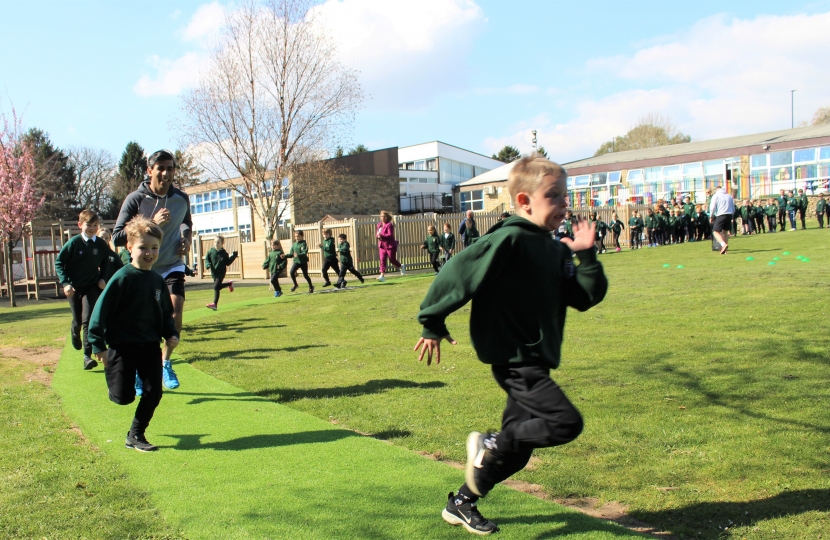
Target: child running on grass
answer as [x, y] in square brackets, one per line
[81, 267]
[346, 263]
[329, 257]
[217, 261]
[447, 243]
[433, 246]
[275, 263]
[616, 228]
[132, 316]
[299, 252]
[518, 333]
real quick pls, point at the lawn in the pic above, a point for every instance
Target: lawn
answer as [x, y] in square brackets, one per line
[704, 390]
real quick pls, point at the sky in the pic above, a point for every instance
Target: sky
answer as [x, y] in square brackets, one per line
[477, 74]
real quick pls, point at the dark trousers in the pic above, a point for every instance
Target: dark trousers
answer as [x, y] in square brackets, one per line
[820, 217]
[801, 212]
[691, 230]
[617, 239]
[650, 236]
[537, 415]
[791, 214]
[435, 259]
[759, 224]
[782, 219]
[600, 244]
[330, 263]
[633, 238]
[82, 303]
[771, 223]
[123, 362]
[348, 268]
[275, 282]
[300, 266]
[218, 286]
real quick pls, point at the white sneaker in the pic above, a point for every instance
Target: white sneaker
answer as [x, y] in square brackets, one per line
[381, 279]
[403, 270]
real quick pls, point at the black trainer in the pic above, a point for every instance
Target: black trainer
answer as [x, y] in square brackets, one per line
[467, 514]
[343, 284]
[361, 279]
[310, 289]
[327, 284]
[138, 442]
[294, 288]
[76, 340]
[89, 363]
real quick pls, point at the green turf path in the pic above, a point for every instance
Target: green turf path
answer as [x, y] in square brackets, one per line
[234, 465]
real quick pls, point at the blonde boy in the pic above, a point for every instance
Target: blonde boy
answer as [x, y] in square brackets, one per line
[516, 326]
[132, 316]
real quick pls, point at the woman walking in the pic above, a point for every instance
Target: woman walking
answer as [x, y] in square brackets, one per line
[387, 245]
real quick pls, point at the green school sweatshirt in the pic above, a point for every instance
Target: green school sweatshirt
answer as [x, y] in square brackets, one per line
[125, 257]
[329, 248]
[792, 204]
[747, 212]
[821, 205]
[273, 263]
[660, 221]
[689, 210]
[651, 221]
[80, 262]
[134, 307]
[448, 242]
[114, 264]
[217, 261]
[802, 202]
[299, 250]
[508, 325]
[617, 226]
[782, 201]
[345, 251]
[771, 210]
[433, 243]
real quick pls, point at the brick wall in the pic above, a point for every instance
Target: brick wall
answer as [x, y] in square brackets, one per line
[349, 195]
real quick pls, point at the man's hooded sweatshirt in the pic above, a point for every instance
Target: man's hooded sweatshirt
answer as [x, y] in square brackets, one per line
[521, 282]
[144, 202]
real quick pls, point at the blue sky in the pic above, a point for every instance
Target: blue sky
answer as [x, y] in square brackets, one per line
[476, 74]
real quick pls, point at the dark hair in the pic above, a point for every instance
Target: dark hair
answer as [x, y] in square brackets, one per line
[341, 235]
[160, 155]
[505, 215]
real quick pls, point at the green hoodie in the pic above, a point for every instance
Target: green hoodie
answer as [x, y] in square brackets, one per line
[274, 263]
[506, 324]
[433, 243]
[329, 249]
[299, 250]
[345, 253]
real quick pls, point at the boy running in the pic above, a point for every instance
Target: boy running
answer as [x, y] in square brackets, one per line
[346, 263]
[329, 257]
[217, 261]
[81, 267]
[433, 246]
[447, 243]
[275, 263]
[132, 316]
[299, 252]
[519, 334]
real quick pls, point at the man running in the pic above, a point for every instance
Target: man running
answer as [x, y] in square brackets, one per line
[721, 209]
[157, 200]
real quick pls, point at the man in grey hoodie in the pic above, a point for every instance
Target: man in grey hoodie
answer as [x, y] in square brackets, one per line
[157, 200]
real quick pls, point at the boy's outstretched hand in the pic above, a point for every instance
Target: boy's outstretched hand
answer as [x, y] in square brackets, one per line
[430, 346]
[584, 236]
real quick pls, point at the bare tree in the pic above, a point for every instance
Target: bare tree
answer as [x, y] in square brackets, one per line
[822, 116]
[274, 99]
[95, 173]
[651, 130]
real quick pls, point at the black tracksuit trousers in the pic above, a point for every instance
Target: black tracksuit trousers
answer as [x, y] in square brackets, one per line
[123, 362]
[537, 415]
[330, 263]
[82, 303]
[218, 286]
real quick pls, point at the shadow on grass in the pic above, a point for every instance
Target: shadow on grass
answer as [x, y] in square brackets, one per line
[17, 315]
[698, 518]
[376, 386]
[208, 397]
[237, 326]
[193, 442]
[391, 434]
[568, 524]
[249, 354]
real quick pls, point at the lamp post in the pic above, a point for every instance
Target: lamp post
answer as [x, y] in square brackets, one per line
[792, 109]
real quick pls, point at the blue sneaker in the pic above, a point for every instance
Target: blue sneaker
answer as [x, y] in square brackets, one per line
[168, 376]
[277, 294]
[139, 386]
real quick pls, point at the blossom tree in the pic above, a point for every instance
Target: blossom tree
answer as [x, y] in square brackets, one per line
[18, 195]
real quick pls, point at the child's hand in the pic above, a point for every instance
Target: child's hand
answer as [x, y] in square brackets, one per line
[423, 247]
[431, 346]
[69, 290]
[102, 357]
[584, 235]
[172, 342]
[282, 255]
[101, 284]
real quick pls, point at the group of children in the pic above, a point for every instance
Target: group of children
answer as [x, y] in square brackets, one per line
[777, 211]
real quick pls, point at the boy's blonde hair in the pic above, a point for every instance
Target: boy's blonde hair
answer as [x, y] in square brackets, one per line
[104, 231]
[87, 216]
[140, 226]
[527, 174]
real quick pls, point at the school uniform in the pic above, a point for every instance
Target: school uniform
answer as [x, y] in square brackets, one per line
[748, 219]
[299, 252]
[329, 259]
[217, 261]
[792, 210]
[616, 228]
[448, 243]
[132, 316]
[691, 227]
[433, 246]
[802, 209]
[660, 228]
[759, 219]
[519, 337]
[82, 262]
[275, 265]
[599, 238]
[821, 207]
[782, 211]
[651, 226]
[771, 211]
[346, 264]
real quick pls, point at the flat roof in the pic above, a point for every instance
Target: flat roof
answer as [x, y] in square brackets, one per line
[499, 174]
[446, 144]
[699, 147]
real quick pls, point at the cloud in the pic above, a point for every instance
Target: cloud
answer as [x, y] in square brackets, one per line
[171, 77]
[516, 89]
[721, 77]
[407, 51]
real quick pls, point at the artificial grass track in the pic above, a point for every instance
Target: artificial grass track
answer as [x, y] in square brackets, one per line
[234, 465]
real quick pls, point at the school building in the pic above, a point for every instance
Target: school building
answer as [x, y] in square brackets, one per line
[753, 166]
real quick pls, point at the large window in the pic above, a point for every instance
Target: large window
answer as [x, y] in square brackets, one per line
[472, 200]
[805, 168]
[211, 201]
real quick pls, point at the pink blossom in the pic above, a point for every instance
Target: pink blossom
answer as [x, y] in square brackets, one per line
[18, 197]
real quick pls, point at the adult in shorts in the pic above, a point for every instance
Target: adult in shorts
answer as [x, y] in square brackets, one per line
[720, 211]
[157, 200]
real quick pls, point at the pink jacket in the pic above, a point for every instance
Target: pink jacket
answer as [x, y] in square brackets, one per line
[387, 235]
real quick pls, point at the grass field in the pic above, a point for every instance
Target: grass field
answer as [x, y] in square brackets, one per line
[704, 388]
